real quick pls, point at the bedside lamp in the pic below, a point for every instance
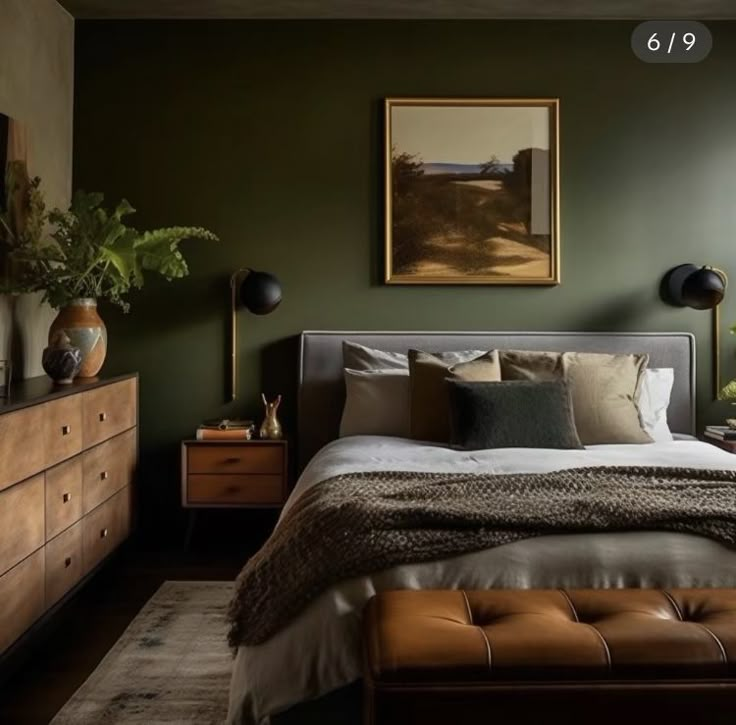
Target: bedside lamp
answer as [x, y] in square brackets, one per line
[701, 288]
[259, 293]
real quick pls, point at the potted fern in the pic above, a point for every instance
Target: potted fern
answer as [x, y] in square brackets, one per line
[91, 254]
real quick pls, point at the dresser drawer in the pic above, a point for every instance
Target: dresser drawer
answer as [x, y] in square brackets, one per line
[21, 445]
[21, 522]
[22, 597]
[63, 563]
[63, 496]
[105, 528]
[233, 489]
[62, 429]
[107, 411]
[108, 467]
[225, 458]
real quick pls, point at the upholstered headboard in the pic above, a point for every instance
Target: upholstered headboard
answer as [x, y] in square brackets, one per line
[322, 388]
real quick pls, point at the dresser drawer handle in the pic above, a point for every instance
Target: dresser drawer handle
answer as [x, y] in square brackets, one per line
[103, 417]
[66, 498]
[232, 489]
[103, 533]
[232, 461]
[67, 562]
[66, 430]
[104, 476]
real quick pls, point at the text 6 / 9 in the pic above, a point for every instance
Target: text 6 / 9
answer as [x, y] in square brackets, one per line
[671, 41]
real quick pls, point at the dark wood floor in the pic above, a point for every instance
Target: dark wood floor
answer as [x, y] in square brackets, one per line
[36, 684]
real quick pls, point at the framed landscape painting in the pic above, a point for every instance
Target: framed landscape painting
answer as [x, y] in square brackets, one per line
[472, 191]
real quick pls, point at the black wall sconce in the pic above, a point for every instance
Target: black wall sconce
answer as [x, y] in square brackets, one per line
[701, 288]
[259, 293]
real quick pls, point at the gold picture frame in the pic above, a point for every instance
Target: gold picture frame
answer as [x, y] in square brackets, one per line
[472, 191]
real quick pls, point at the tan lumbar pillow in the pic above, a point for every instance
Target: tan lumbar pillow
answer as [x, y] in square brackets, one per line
[604, 389]
[429, 398]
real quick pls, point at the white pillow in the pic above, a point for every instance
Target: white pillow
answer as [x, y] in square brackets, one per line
[359, 357]
[654, 399]
[376, 403]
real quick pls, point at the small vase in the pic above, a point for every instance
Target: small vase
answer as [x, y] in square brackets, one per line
[86, 330]
[60, 360]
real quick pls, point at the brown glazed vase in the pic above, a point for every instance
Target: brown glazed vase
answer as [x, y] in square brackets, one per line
[86, 331]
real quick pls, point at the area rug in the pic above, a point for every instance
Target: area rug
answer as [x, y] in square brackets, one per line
[171, 665]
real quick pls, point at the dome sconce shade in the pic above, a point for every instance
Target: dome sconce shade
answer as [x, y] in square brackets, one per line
[700, 288]
[259, 293]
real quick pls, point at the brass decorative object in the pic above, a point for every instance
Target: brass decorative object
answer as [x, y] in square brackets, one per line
[271, 427]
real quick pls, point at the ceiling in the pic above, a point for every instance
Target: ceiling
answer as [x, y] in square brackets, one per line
[570, 9]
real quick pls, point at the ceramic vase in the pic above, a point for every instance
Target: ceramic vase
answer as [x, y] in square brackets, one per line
[60, 360]
[86, 331]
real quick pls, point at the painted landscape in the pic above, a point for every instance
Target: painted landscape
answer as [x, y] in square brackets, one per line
[484, 220]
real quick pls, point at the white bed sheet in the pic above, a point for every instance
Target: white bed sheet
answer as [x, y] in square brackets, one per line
[320, 650]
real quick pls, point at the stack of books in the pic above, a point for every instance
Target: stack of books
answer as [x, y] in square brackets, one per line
[723, 435]
[226, 430]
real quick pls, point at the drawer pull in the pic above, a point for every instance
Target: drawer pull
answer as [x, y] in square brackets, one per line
[103, 417]
[66, 430]
[104, 476]
[232, 461]
[66, 498]
[103, 533]
[232, 489]
[67, 562]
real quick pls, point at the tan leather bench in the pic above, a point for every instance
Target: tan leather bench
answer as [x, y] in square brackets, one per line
[551, 656]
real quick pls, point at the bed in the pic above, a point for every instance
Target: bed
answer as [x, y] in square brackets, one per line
[302, 673]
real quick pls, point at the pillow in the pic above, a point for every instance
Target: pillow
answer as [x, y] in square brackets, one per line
[654, 399]
[430, 414]
[360, 357]
[517, 414]
[376, 403]
[604, 389]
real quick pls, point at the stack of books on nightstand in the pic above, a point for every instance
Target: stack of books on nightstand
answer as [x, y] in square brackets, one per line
[722, 435]
[226, 430]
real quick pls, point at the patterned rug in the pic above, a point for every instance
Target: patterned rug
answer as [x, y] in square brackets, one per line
[171, 665]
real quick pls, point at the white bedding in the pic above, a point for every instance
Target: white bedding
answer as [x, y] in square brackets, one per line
[320, 650]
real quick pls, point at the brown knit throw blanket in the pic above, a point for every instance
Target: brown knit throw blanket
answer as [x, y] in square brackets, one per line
[360, 523]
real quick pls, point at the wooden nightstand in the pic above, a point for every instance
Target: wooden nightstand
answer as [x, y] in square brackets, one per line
[234, 474]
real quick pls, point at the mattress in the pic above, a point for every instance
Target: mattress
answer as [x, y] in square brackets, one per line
[320, 650]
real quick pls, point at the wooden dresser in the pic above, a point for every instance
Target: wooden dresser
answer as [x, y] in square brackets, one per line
[67, 459]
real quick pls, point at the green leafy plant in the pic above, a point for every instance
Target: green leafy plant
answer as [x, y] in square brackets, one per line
[22, 220]
[728, 392]
[91, 252]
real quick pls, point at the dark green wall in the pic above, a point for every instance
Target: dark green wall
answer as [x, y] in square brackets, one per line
[270, 134]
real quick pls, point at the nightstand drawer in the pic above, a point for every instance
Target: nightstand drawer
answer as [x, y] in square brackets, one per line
[227, 459]
[231, 489]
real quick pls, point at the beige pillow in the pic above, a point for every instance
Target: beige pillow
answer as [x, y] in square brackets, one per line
[604, 389]
[376, 403]
[430, 402]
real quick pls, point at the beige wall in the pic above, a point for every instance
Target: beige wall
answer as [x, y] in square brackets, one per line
[36, 88]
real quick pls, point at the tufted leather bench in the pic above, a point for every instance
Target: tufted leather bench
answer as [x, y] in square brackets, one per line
[551, 656]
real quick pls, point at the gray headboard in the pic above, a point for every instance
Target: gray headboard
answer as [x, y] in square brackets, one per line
[322, 389]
